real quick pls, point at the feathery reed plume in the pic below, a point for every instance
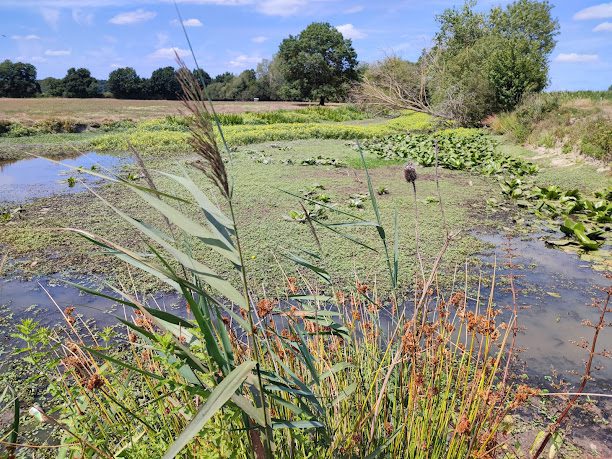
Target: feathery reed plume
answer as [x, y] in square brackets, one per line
[202, 132]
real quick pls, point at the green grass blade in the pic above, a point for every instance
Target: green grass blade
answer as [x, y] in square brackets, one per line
[322, 273]
[110, 359]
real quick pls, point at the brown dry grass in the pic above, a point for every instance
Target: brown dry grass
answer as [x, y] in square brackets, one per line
[96, 110]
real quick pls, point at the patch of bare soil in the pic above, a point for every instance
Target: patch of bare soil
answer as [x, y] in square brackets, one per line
[559, 159]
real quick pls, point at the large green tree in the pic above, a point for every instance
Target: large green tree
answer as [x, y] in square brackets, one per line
[319, 63]
[163, 84]
[124, 83]
[79, 83]
[53, 87]
[487, 62]
[18, 79]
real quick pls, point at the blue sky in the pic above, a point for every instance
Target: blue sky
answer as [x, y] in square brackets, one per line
[232, 35]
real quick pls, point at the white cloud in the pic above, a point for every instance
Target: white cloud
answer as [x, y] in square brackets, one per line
[603, 27]
[244, 61]
[25, 37]
[30, 59]
[58, 52]
[280, 7]
[193, 22]
[601, 11]
[350, 31]
[354, 9]
[259, 39]
[50, 16]
[133, 17]
[575, 57]
[115, 66]
[168, 53]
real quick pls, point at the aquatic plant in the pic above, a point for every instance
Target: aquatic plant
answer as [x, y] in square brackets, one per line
[467, 149]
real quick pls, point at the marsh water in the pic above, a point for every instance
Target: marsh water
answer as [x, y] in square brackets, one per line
[33, 178]
[555, 293]
[555, 289]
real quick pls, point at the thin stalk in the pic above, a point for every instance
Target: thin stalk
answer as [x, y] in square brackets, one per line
[251, 334]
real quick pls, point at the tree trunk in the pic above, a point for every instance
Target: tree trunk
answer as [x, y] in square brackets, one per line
[322, 101]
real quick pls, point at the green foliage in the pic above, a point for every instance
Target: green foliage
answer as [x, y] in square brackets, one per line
[486, 63]
[577, 120]
[79, 83]
[469, 150]
[18, 79]
[52, 87]
[125, 83]
[163, 135]
[319, 63]
[163, 84]
[597, 140]
[586, 220]
[322, 161]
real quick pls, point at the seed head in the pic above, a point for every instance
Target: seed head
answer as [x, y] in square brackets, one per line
[410, 173]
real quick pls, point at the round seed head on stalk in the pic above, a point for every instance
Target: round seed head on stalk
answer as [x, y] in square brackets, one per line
[410, 173]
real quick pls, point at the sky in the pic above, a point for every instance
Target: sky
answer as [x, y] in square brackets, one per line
[233, 35]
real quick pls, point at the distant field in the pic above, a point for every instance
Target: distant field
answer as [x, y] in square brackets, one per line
[91, 110]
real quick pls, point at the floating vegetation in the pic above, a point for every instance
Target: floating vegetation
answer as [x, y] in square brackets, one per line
[586, 221]
[458, 149]
[322, 161]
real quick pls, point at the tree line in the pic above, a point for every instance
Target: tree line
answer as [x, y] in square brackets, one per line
[479, 63]
[319, 64]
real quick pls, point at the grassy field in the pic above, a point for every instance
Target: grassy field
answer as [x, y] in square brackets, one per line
[98, 110]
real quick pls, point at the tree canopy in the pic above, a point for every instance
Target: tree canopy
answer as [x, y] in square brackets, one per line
[319, 63]
[79, 83]
[124, 83]
[163, 84]
[18, 79]
[491, 60]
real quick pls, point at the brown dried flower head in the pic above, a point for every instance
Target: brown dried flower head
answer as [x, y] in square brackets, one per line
[410, 173]
[264, 307]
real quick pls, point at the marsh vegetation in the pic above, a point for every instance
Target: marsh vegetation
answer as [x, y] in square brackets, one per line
[287, 280]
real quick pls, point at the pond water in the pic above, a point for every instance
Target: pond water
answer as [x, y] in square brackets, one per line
[33, 178]
[555, 293]
[45, 298]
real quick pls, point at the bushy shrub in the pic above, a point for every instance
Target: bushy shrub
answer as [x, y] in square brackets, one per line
[117, 125]
[20, 130]
[535, 107]
[58, 126]
[597, 140]
[5, 126]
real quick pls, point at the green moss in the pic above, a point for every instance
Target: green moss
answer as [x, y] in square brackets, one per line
[261, 207]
